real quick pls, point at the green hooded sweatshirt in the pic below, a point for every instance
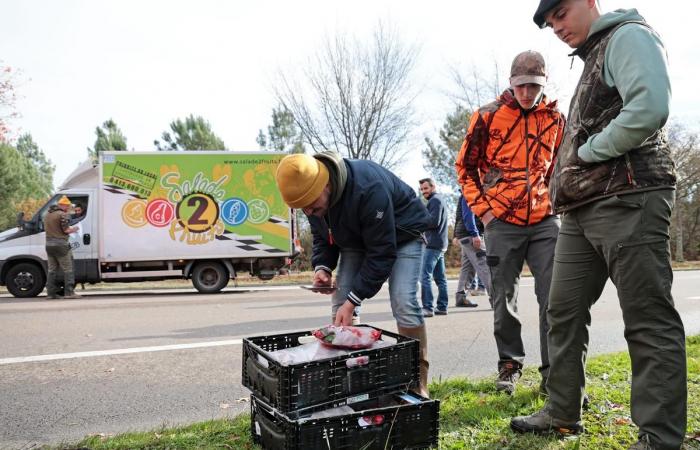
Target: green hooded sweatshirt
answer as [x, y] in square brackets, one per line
[636, 65]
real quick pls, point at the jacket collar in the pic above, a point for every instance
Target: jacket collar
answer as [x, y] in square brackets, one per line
[509, 100]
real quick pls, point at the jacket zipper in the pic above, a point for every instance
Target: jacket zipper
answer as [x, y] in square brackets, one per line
[327, 219]
[527, 168]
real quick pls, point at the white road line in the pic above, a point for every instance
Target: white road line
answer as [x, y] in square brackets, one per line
[119, 351]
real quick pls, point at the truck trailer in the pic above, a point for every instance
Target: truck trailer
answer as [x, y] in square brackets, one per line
[199, 215]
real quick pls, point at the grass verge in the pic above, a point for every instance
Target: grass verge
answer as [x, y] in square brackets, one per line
[473, 415]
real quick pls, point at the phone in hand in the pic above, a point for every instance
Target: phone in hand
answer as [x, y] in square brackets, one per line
[321, 289]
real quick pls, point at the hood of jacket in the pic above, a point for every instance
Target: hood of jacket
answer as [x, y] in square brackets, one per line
[338, 173]
[613, 18]
[604, 22]
[509, 100]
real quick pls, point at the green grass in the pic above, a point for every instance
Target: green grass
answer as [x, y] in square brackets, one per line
[472, 415]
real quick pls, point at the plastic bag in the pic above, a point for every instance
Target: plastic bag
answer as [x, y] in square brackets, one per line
[347, 337]
[312, 351]
[75, 239]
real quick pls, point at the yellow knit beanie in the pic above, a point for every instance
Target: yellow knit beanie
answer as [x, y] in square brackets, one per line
[64, 201]
[301, 179]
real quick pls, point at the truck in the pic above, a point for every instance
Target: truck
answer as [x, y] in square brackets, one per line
[200, 215]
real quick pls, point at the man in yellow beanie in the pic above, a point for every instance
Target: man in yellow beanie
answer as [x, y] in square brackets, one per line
[58, 252]
[368, 223]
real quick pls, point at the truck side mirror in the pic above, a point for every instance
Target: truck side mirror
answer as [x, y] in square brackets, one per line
[20, 220]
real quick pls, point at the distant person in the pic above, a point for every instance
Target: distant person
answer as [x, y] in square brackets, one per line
[504, 167]
[473, 251]
[59, 254]
[78, 214]
[614, 184]
[433, 267]
[368, 223]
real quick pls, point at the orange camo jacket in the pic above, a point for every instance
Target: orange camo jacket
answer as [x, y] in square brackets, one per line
[507, 158]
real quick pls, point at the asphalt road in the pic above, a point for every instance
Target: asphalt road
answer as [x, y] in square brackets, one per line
[140, 360]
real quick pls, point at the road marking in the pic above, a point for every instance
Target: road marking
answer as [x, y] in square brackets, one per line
[119, 351]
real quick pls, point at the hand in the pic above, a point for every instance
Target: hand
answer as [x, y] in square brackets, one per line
[476, 242]
[488, 217]
[344, 314]
[323, 278]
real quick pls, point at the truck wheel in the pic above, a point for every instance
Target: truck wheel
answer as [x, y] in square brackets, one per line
[25, 280]
[209, 277]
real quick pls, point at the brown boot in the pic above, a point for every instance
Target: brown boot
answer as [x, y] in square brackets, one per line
[419, 334]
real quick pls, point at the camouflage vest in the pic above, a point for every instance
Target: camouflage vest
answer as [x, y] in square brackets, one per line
[593, 106]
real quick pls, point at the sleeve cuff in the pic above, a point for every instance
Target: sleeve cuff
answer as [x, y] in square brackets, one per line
[354, 299]
[325, 268]
[584, 152]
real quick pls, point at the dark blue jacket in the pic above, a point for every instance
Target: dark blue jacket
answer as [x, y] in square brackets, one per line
[465, 223]
[436, 236]
[377, 212]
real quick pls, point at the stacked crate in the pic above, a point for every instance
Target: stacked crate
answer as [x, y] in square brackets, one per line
[356, 401]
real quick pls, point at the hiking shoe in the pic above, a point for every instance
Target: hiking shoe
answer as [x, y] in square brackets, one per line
[467, 304]
[73, 295]
[427, 312]
[508, 375]
[477, 292]
[542, 423]
[642, 444]
[440, 312]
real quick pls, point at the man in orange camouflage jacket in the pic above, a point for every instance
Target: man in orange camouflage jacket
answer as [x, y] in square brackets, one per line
[504, 167]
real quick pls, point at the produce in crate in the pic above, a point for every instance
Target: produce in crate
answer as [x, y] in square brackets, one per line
[348, 337]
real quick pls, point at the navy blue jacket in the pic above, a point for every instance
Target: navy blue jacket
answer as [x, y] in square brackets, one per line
[436, 236]
[377, 212]
[465, 221]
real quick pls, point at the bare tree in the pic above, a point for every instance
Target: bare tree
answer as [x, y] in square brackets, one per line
[685, 150]
[8, 98]
[355, 97]
[474, 86]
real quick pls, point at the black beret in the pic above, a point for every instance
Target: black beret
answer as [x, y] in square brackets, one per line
[545, 5]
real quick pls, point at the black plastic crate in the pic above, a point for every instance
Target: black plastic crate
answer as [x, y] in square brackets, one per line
[327, 381]
[385, 422]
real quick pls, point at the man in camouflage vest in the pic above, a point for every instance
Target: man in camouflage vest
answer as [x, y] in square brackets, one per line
[614, 184]
[58, 252]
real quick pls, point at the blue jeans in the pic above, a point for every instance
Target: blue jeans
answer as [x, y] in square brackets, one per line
[403, 281]
[433, 267]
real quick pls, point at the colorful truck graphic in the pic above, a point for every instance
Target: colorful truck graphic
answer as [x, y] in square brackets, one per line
[202, 215]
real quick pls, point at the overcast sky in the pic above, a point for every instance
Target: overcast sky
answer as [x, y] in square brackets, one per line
[146, 63]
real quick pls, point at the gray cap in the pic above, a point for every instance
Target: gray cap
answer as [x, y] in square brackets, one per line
[528, 67]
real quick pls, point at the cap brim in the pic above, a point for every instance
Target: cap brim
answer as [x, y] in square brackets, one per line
[528, 79]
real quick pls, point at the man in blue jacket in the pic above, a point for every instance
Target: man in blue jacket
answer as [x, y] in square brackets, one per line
[368, 223]
[473, 251]
[434, 252]
[614, 183]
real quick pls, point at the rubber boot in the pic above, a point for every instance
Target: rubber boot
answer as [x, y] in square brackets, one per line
[51, 286]
[69, 285]
[419, 334]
